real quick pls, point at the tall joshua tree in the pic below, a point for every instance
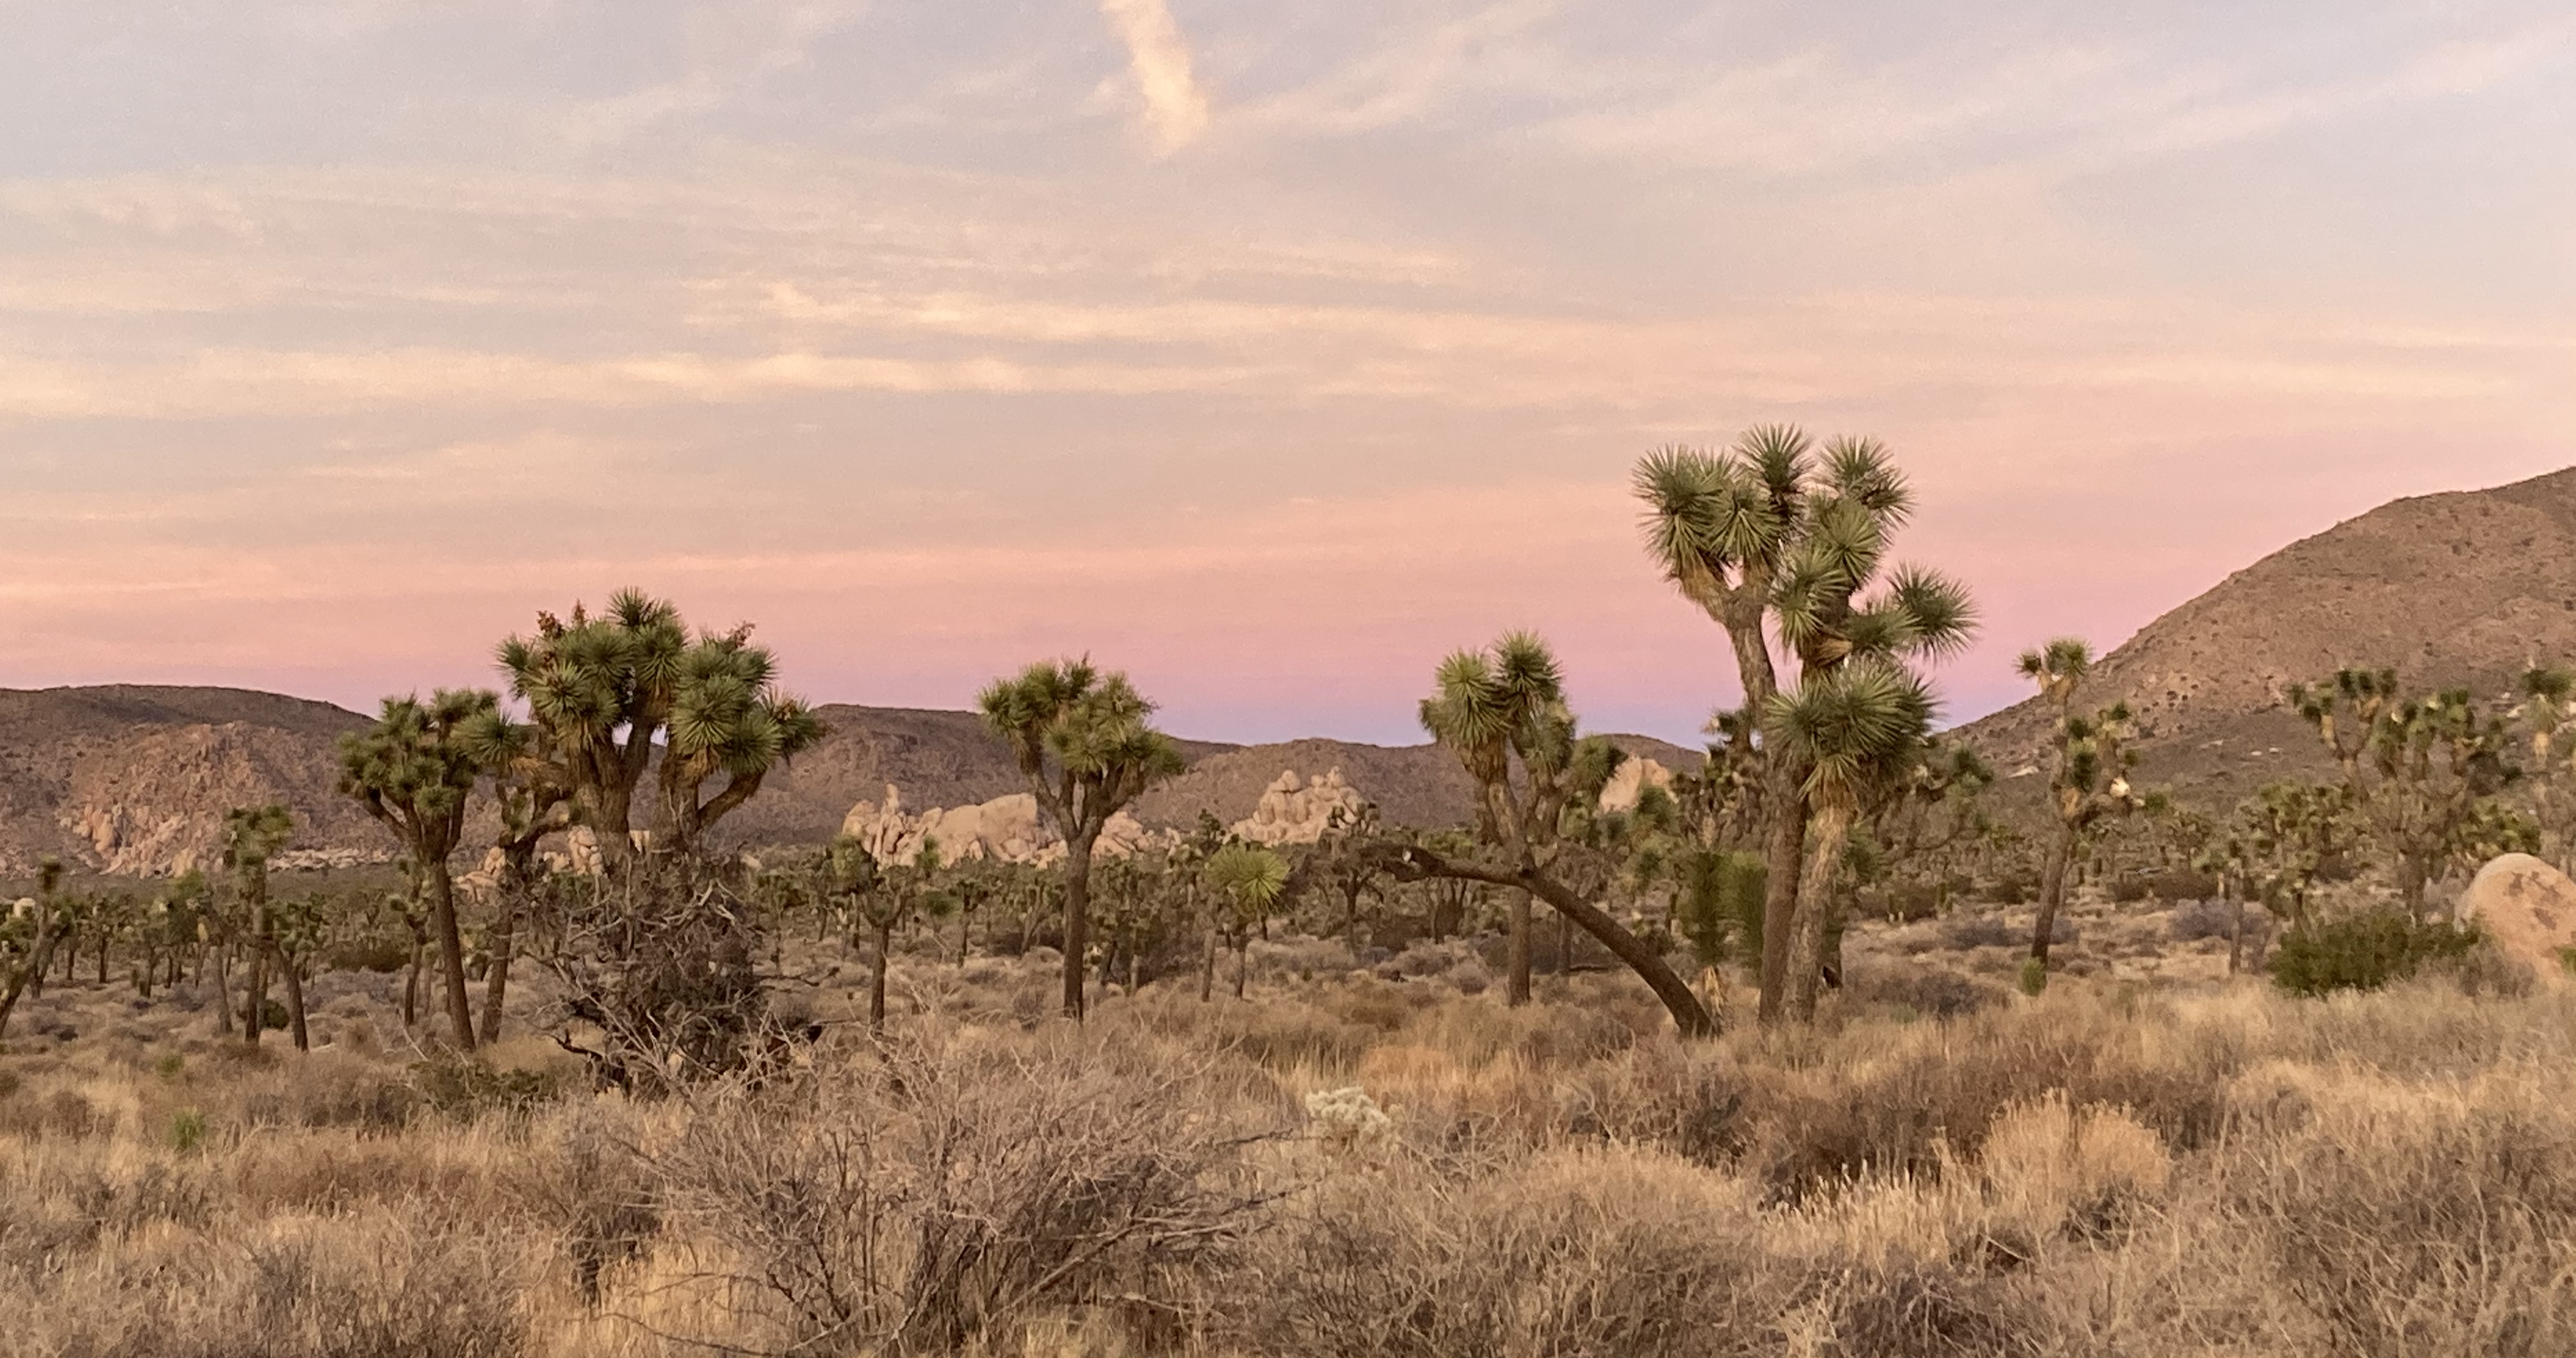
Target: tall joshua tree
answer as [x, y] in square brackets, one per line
[2089, 779]
[413, 771]
[1777, 540]
[1857, 730]
[1086, 743]
[610, 693]
[1502, 711]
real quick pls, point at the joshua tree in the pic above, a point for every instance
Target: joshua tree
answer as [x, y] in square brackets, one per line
[2090, 778]
[2274, 847]
[887, 900]
[534, 803]
[1855, 729]
[1250, 880]
[1770, 537]
[2418, 768]
[1502, 712]
[1086, 744]
[609, 695]
[28, 937]
[252, 836]
[413, 771]
[2549, 719]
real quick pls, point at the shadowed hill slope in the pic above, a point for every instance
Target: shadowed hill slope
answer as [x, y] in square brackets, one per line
[132, 777]
[2462, 588]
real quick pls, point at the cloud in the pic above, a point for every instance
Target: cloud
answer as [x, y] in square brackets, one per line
[1174, 105]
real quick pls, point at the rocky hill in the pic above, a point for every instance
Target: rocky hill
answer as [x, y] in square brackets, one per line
[136, 779]
[131, 778]
[2463, 588]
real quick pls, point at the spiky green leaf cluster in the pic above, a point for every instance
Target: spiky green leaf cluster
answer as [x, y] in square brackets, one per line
[1854, 726]
[415, 766]
[1085, 739]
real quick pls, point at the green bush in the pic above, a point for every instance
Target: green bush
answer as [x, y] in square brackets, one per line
[1721, 905]
[187, 1130]
[2363, 951]
[467, 1089]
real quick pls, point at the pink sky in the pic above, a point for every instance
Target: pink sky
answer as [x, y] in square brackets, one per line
[1265, 353]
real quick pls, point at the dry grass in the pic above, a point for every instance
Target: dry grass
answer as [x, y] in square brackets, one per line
[2106, 1170]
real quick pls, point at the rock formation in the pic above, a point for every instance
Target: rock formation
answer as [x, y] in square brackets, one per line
[1005, 829]
[2528, 908]
[1291, 812]
[1630, 781]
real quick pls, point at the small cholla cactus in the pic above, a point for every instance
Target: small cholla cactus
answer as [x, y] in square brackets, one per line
[1347, 1117]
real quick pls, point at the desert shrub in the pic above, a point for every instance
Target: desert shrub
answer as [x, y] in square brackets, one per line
[1896, 1111]
[466, 1089]
[940, 1192]
[321, 1289]
[2017, 887]
[1989, 930]
[2195, 920]
[2131, 888]
[1932, 991]
[1915, 1309]
[2363, 951]
[1906, 902]
[2412, 1219]
[664, 961]
[1609, 1252]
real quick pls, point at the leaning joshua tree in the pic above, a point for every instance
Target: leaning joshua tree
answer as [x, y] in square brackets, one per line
[2089, 779]
[413, 771]
[1502, 712]
[1085, 742]
[252, 836]
[608, 694]
[1777, 540]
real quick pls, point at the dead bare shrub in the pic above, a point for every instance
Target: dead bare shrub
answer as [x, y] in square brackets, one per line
[940, 1192]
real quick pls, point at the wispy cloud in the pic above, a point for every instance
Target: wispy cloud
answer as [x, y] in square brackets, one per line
[1175, 108]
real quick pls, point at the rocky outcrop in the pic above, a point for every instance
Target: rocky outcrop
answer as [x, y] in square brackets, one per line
[1630, 780]
[155, 802]
[1295, 811]
[1005, 829]
[2527, 908]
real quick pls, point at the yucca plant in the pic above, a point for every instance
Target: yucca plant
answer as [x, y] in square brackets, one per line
[1250, 880]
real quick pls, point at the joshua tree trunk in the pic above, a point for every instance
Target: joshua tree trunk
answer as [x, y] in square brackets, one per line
[496, 979]
[877, 978]
[965, 921]
[2052, 892]
[295, 1003]
[451, 954]
[1516, 984]
[2411, 881]
[224, 990]
[1564, 948]
[411, 987]
[38, 958]
[1689, 1015]
[1077, 918]
[1826, 840]
[255, 1007]
[1783, 860]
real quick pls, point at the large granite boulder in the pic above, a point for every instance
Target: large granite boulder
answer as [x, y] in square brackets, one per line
[2528, 908]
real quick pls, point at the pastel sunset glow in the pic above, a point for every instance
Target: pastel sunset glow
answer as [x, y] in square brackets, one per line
[1266, 351]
